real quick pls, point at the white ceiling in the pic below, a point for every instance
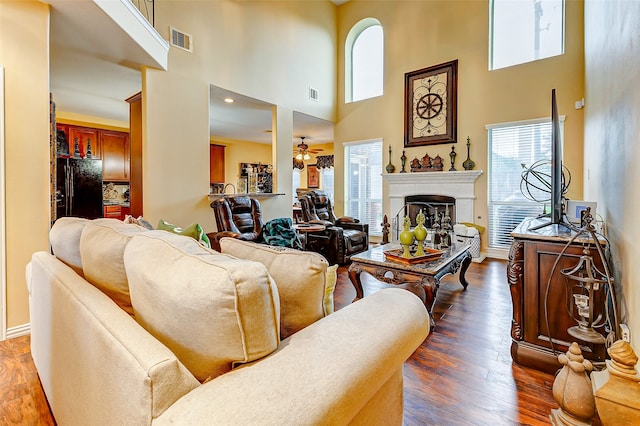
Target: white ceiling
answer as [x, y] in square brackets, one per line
[93, 75]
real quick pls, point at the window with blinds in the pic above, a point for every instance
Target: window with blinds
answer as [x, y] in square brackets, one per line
[363, 183]
[512, 147]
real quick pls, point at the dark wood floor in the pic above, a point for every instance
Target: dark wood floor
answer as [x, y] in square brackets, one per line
[461, 375]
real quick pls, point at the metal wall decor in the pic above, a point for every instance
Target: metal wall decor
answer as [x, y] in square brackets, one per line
[431, 105]
[427, 164]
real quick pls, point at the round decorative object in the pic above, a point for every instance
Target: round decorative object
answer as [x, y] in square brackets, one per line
[420, 233]
[406, 237]
[390, 167]
[429, 106]
[572, 389]
[468, 163]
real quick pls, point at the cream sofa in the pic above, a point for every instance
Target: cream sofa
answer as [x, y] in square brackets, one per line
[122, 320]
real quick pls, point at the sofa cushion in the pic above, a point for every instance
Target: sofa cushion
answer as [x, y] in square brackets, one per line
[64, 238]
[212, 310]
[102, 246]
[304, 279]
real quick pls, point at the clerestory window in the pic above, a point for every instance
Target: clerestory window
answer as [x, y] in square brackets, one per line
[523, 31]
[364, 61]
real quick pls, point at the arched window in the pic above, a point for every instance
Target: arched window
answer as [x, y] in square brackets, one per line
[364, 61]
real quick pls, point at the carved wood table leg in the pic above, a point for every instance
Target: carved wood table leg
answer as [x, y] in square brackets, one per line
[354, 277]
[466, 261]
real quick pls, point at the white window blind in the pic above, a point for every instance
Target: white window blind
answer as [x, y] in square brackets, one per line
[524, 31]
[511, 146]
[326, 177]
[363, 183]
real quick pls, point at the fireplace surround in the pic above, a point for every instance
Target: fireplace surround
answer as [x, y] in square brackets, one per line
[459, 185]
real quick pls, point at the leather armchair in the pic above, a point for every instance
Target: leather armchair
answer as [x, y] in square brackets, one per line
[343, 236]
[236, 217]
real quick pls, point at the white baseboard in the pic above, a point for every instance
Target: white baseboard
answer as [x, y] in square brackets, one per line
[20, 330]
[498, 253]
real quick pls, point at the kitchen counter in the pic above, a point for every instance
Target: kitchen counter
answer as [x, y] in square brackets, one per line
[121, 203]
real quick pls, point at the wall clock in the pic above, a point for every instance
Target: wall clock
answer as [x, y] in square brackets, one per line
[430, 105]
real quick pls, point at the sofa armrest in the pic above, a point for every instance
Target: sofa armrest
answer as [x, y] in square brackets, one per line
[324, 374]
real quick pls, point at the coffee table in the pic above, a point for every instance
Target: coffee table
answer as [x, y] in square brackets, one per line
[422, 279]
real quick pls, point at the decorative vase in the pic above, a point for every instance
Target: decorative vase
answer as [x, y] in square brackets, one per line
[452, 156]
[468, 163]
[403, 160]
[390, 167]
[420, 233]
[406, 238]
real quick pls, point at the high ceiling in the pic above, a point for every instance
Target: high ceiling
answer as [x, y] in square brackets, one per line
[92, 75]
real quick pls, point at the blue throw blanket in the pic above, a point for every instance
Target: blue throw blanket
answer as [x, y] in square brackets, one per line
[280, 232]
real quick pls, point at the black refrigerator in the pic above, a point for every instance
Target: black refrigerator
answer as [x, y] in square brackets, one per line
[79, 188]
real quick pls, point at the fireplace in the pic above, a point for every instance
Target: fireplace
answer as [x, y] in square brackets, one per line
[458, 186]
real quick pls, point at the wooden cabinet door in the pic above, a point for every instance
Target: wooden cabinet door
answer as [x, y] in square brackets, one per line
[86, 136]
[115, 156]
[216, 164]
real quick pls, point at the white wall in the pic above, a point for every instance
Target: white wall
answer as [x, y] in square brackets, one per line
[612, 139]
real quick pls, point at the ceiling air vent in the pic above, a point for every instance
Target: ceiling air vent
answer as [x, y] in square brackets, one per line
[181, 40]
[313, 94]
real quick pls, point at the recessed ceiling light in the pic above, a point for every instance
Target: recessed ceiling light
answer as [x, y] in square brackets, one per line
[229, 100]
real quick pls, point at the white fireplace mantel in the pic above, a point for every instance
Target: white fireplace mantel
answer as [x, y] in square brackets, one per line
[459, 185]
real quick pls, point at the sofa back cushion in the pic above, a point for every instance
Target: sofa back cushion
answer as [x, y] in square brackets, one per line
[212, 310]
[64, 238]
[102, 245]
[304, 279]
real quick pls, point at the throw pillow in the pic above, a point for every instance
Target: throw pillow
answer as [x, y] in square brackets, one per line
[301, 277]
[329, 288]
[194, 231]
[212, 310]
[140, 221]
[102, 246]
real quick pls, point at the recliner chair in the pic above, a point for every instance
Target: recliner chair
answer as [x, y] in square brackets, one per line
[236, 217]
[343, 236]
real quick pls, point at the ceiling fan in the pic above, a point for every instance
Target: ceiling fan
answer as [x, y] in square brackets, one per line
[302, 153]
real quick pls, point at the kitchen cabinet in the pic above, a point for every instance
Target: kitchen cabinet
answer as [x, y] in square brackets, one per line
[116, 211]
[216, 164]
[84, 135]
[115, 156]
[135, 166]
[113, 211]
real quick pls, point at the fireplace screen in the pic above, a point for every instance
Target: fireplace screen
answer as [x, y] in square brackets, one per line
[434, 207]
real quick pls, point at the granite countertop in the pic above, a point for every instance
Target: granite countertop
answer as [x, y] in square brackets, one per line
[122, 203]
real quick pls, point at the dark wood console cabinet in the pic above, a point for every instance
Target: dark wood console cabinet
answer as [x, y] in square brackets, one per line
[538, 319]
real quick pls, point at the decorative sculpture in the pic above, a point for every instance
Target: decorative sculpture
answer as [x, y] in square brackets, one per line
[420, 233]
[390, 167]
[403, 160]
[572, 390]
[452, 156]
[406, 238]
[385, 229]
[468, 163]
[617, 389]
